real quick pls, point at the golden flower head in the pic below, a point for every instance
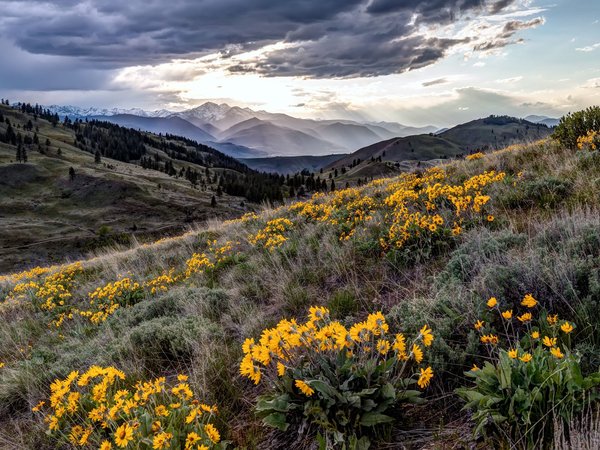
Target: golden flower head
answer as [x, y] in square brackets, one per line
[535, 334]
[525, 317]
[529, 301]
[549, 342]
[304, 388]
[552, 319]
[212, 433]
[492, 302]
[426, 335]
[425, 377]
[566, 327]
[479, 324]
[512, 353]
[507, 314]
[526, 357]
[557, 353]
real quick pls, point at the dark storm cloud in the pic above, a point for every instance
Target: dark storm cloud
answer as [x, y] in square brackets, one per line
[329, 38]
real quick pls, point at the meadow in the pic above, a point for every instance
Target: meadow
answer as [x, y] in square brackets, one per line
[419, 311]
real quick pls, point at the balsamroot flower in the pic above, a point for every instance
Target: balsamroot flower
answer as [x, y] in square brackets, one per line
[304, 388]
[425, 377]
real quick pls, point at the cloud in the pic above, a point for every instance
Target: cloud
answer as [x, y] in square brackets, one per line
[505, 36]
[435, 82]
[589, 48]
[592, 83]
[323, 38]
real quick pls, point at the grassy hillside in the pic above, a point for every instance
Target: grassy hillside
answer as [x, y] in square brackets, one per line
[482, 134]
[429, 247]
[46, 216]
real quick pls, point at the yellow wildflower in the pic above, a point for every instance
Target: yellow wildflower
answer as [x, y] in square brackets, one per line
[212, 433]
[566, 327]
[513, 353]
[529, 301]
[492, 302]
[123, 435]
[507, 314]
[549, 342]
[479, 324]
[426, 335]
[161, 440]
[525, 317]
[417, 353]
[557, 353]
[304, 388]
[425, 377]
[526, 357]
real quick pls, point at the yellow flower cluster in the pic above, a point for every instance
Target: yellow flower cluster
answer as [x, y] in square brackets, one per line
[248, 217]
[162, 282]
[105, 300]
[409, 206]
[590, 141]
[283, 349]
[272, 235]
[201, 262]
[532, 333]
[474, 156]
[52, 294]
[97, 409]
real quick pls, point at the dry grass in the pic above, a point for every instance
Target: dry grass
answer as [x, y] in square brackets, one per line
[215, 313]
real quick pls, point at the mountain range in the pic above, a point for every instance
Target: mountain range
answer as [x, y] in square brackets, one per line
[246, 133]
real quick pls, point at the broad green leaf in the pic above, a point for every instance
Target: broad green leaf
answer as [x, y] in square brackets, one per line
[370, 419]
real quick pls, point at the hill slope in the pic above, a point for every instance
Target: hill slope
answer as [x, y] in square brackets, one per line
[483, 134]
[47, 215]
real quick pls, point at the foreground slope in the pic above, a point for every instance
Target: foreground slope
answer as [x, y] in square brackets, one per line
[200, 295]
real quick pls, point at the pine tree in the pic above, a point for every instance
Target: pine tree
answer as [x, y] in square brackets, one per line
[332, 187]
[97, 157]
[213, 201]
[24, 154]
[19, 154]
[71, 173]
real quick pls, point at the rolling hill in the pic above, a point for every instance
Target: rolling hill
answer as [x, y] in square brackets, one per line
[143, 187]
[478, 135]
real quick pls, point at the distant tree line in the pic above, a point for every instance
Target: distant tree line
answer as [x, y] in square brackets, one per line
[105, 139]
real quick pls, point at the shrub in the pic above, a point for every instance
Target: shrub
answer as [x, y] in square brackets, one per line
[101, 408]
[574, 125]
[345, 383]
[532, 381]
[168, 341]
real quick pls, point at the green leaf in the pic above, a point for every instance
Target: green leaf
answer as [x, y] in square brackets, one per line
[324, 388]
[276, 420]
[388, 391]
[280, 404]
[371, 419]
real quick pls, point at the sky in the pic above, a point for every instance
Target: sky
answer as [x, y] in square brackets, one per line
[438, 62]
